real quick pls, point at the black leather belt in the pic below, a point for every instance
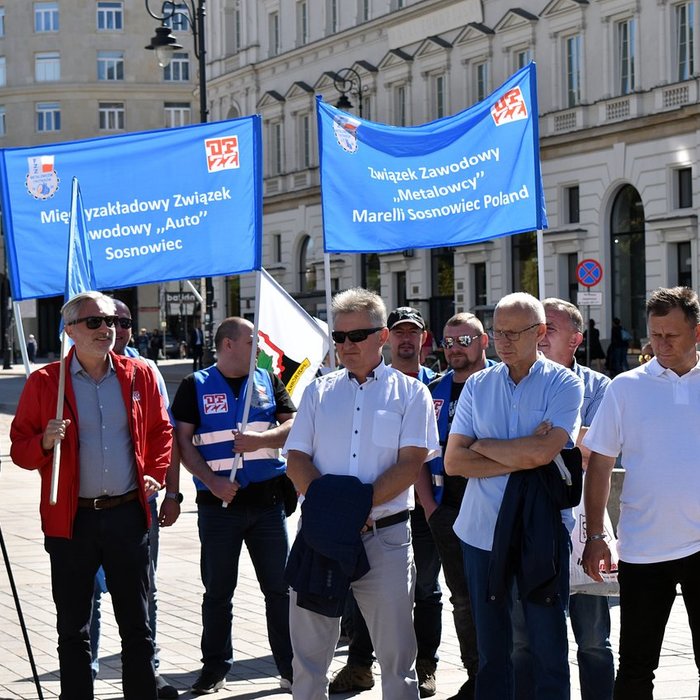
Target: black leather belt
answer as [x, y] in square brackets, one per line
[394, 519]
[104, 502]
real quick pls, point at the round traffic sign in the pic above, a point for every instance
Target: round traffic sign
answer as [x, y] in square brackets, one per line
[589, 272]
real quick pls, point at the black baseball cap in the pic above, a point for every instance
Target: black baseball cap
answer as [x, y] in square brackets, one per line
[405, 314]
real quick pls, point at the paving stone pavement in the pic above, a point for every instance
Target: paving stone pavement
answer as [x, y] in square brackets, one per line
[180, 591]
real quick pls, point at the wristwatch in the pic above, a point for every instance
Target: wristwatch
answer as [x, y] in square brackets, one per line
[176, 496]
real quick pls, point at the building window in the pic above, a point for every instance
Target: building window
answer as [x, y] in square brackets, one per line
[684, 188]
[400, 288]
[2, 122]
[684, 266]
[3, 72]
[277, 247]
[307, 270]
[45, 16]
[571, 279]
[626, 50]
[111, 116]
[439, 98]
[236, 30]
[110, 16]
[400, 102]
[178, 70]
[276, 148]
[332, 19]
[180, 20]
[48, 116]
[47, 66]
[685, 40]
[364, 10]
[2, 21]
[481, 81]
[524, 259]
[304, 140]
[572, 205]
[110, 65]
[302, 22]
[522, 58]
[273, 28]
[573, 70]
[370, 277]
[177, 114]
[479, 281]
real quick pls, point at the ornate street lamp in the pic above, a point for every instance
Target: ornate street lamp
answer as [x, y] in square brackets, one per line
[348, 80]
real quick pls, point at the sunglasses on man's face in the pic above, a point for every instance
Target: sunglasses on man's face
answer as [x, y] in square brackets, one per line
[464, 340]
[356, 336]
[94, 322]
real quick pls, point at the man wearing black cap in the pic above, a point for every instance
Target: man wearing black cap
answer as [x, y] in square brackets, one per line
[406, 336]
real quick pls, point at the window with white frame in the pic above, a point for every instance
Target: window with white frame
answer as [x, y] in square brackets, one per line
[47, 66]
[178, 114]
[179, 21]
[363, 10]
[277, 247]
[332, 16]
[367, 107]
[237, 30]
[481, 80]
[626, 46]
[276, 147]
[571, 202]
[304, 140]
[2, 21]
[273, 30]
[438, 96]
[110, 65]
[302, 22]
[684, 21]
[45, 16]
[3, 124]
[3, 72]
[683, 194]
[572, 67]
[110, 16]
[111, 116]
[521, 57]
[178, 70]
[401, 105]
[48, 116]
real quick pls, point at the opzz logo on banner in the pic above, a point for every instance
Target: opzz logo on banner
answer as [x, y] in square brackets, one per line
[222, 153]
[215, 403]
[509, 108]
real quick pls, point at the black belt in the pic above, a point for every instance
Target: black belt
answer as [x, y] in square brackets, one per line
[394, 519]
[103, 502]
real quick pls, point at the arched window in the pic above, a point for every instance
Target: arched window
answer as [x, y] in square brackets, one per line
[628, 262]
[307, 271]
[233, 112]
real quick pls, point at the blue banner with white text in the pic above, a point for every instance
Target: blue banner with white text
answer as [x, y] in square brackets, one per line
[158, 205]
[466, 178]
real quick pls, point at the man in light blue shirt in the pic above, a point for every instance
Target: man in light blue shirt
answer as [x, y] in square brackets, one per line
[514, 416]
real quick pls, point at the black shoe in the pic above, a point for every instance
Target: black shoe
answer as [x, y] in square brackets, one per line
[208, 682]
[466, 692]
[165, 690]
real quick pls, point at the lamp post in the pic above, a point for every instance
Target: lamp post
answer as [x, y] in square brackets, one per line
[165, 44]
[348, 80]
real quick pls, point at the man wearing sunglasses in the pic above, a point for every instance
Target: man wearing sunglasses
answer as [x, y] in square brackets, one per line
[208, 409]
[115, 449]
[376, 424]
[464, 344]
[514, 417]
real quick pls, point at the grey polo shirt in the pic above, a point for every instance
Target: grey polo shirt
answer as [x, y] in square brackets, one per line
[107, 464]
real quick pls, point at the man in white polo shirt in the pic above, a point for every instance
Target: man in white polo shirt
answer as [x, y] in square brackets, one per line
[651, 415]
[377, 424]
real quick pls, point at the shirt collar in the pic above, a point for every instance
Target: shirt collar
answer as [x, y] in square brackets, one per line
[656, 370]
[77, 368]
[377, 373]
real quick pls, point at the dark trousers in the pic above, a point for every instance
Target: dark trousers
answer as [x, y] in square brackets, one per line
[427, 610]
[197, 353]
[116, 539]
[222, 532]
[647, 592]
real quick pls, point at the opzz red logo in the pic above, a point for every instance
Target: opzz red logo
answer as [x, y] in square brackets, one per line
[215, 403]
[510, 108]
[222, 153]
[437, 405]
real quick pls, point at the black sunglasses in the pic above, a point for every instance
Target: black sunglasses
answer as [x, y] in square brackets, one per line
[94, 322]
[464, 340]
[356, 336]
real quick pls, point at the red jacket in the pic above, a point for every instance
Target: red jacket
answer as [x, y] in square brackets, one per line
[151, 434]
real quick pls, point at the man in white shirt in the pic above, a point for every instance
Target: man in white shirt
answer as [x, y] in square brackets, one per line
[651, 415]
[375, 423]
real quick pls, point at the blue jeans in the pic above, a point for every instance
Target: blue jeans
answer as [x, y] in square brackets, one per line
[101, 587]
[222, 532]
[590, 621]
[545, 626]
[647, 593]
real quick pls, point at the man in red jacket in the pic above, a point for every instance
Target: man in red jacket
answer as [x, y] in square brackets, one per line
[115, 448]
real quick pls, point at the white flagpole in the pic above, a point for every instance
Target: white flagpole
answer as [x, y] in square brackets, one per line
[20, 337]
[329, 319]
[540, 263]
[249, 384]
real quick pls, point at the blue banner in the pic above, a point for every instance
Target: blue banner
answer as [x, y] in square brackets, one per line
[466, 178]
[159, 206]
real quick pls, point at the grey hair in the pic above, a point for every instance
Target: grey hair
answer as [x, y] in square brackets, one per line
[524, 302]
[70, 311]
[359, 299]
[568, 308]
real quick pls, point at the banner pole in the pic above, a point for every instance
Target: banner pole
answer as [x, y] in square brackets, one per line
[540, 263]
[59, 416]
[329, 318]
[249, 384]
[20, 337]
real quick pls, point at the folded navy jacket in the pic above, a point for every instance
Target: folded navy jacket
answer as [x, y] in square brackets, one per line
[328, 553]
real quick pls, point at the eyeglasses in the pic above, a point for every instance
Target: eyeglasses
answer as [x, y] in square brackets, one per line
[356, 336]
[464, 340]
[511, 336]
[125, 323]
[94, 322]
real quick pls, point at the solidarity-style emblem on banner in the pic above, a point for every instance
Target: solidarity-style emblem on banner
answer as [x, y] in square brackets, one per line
[215, 403]
[345, 129]
[222, 153]
[42, 180]
[510, 107]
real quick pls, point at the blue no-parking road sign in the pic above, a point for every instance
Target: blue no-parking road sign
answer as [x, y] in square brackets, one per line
[589, 272]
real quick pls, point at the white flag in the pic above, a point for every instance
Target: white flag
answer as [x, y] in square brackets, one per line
[292, 344]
